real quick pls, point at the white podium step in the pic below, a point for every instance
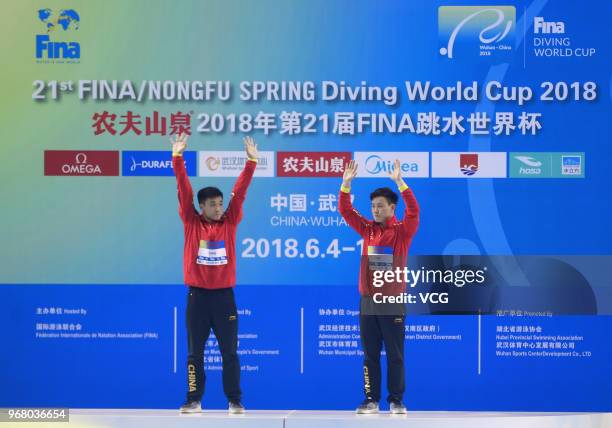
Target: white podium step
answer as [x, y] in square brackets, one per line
[337, 419]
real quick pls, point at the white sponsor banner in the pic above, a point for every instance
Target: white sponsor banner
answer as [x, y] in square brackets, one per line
[379, 164]
[468, 164]
[231, 164]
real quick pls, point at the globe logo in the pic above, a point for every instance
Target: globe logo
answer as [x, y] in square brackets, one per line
[67, 18]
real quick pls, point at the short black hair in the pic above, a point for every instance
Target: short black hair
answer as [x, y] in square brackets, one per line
[208, 193]
[386, 193]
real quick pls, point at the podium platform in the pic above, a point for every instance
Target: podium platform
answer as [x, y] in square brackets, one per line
[338, 419]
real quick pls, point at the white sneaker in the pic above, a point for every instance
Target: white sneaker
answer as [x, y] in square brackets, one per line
[368, 407]
[235, 408]
[191, 407]
[397, 408]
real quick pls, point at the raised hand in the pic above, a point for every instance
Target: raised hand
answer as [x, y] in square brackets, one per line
[250, 147]
[396, 174]
[179, 144]
[350, 172]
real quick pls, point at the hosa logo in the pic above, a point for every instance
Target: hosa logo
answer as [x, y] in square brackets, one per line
[483, 31]
[530, 165]
[52, 51]
[154, 163]
[529, 161]
[547, 165]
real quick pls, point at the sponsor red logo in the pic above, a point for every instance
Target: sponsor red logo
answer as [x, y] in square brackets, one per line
[86, 162]
[468, 163]
[311, 164]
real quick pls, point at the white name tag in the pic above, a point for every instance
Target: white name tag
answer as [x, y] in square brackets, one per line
[212, 253]
[380, 258]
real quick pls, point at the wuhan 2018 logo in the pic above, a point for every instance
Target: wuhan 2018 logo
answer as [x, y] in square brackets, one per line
[56, 45]
[468, 32]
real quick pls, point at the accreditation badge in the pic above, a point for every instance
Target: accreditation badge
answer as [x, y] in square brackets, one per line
[380, 258]
[212, 253]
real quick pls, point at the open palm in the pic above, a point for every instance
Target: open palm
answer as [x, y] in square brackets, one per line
[179, 144]
[350, 171]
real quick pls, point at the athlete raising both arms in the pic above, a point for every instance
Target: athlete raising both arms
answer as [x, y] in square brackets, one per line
[209, 267]
[386, 241]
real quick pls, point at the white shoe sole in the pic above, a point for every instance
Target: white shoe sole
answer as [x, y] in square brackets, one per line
[367, 412]
[187, 411]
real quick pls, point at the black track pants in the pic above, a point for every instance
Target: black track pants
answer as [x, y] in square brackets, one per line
[214, 309]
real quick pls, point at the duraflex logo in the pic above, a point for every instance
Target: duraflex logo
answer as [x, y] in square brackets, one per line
[52, 51]
[154, 163]
[476, 31]
[380, 164]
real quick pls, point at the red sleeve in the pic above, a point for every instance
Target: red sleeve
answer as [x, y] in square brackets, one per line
[234, 209]
[185, 194]
[410, 222]
[350, 214]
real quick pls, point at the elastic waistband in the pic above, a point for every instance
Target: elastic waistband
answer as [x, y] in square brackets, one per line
[211, 290]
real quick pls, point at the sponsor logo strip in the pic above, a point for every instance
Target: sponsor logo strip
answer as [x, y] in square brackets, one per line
[81, 163]
[468, 165]
[311, 164]
[380, 164]
[154, 163]
[231, 164]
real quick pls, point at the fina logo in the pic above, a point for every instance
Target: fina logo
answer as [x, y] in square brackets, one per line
[464, 22]
[67, 19]
[542, 27]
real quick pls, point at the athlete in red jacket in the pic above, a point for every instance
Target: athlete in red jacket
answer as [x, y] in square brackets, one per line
[385, 247]
[209, 267]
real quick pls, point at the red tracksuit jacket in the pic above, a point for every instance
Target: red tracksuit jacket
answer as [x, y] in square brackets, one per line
[388, 244]
[209, 255]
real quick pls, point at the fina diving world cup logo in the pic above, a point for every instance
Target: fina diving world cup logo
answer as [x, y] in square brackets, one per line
[482, 31]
